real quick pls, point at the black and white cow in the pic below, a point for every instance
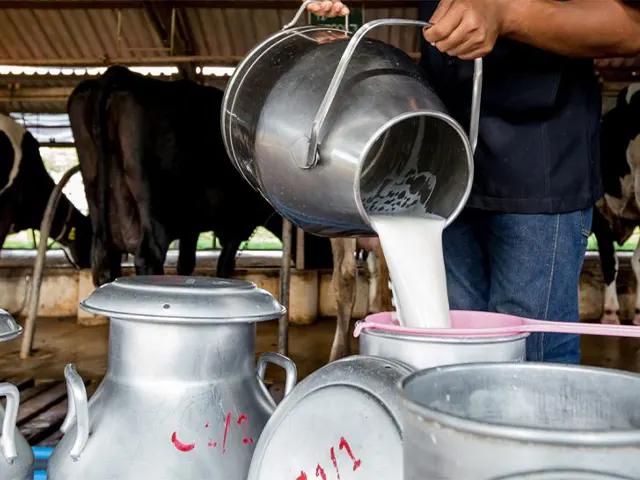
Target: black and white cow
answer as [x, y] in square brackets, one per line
[618, 213]
[25, 190]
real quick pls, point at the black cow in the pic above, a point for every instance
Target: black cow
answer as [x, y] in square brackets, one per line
[155, 169]
[618, 213]
[25, 190]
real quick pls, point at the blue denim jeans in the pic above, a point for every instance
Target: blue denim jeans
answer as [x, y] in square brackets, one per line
[525, 265]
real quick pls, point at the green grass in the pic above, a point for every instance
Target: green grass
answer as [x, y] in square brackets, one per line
[261, 240]
[629, 245]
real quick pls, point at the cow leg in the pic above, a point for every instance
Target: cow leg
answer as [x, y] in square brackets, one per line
[105, 260]
[227, 260]
[187, 254]
[373, 278]
[5, 229]
[152, 249]
[383, 291]
[609, 265]
[344, 284]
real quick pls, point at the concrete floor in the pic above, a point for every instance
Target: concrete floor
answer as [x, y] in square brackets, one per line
[62, 341]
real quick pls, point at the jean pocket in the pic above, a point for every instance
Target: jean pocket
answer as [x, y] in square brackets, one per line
[586, 219]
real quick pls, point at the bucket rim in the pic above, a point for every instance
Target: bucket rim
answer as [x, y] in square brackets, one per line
[513, 337]
[242, 70]
[464, 425]
[401, 118]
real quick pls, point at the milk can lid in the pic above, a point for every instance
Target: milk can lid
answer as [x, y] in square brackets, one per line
[9, 328]
[171, 297]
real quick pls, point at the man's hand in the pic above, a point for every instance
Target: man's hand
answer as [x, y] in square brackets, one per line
[328, 9]
[467, 28]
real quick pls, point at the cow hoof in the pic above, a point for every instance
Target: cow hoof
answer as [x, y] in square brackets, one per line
[610, 318]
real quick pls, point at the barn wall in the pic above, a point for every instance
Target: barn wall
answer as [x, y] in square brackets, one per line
[63, 288]
[311, 292]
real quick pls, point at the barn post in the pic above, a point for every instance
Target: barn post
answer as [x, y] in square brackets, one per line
[299, 249]
[38, 267]
[285, 281]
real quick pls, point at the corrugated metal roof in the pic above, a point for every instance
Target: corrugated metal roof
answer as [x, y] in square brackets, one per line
[92, 34]
[49, 93]
[88, 30]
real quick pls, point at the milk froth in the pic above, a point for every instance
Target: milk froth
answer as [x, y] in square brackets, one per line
[412, 246]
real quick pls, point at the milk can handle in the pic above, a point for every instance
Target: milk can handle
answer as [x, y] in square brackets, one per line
[78, 409]
[8, 439]
[290, 370]
[327, 102]
[301, 10]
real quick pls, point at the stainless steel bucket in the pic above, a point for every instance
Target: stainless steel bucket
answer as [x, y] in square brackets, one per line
[490, 421]
[423, 351]
[564, 475]
[426, 351]
[331, 127]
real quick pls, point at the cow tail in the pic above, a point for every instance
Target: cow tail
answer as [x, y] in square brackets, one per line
[100, 132]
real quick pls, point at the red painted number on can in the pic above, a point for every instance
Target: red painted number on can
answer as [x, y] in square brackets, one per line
[343, 445]
[245, 439]
[320, 472]
[242, 423]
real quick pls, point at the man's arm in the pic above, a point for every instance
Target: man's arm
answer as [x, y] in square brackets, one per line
[582, 28]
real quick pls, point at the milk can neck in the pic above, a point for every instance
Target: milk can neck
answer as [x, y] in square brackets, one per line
[180, 351]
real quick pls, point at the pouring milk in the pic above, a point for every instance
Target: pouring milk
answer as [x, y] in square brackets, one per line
[412, 246]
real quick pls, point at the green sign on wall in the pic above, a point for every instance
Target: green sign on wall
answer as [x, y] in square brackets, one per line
[356, 18]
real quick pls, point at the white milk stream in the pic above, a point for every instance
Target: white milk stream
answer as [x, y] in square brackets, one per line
[413, 250]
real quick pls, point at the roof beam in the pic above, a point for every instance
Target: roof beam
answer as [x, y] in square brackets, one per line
[212, 60]
[171, 33]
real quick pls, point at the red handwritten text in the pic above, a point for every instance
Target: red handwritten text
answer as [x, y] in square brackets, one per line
[227, 422]
[342, 445]
[320, 472]
[245, 439]
[183, 447]
[242, 423]
[335, 461]
[345, 445]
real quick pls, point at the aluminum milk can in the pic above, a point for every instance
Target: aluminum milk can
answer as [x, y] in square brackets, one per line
[16, 456]
[498, 421]
[341, 422]
[331, 127]
[182, 397]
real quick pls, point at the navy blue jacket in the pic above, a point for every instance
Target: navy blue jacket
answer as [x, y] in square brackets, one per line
[538, 148]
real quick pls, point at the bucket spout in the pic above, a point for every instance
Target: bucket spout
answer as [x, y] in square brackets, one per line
[416, 164]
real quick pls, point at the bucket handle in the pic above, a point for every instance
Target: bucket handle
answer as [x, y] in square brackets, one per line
[302, 9]
[290, 370]
[8, 439]
[78, 409]
[327, 102]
